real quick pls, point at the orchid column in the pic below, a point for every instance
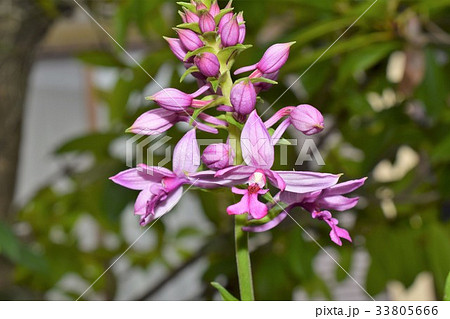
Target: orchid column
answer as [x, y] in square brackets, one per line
[208, 42]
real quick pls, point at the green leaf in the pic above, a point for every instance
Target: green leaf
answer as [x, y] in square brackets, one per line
[264, 80]
[192, 69]
[215, 84]
[447, 288]
[225, 54]
[101, 58]
[188, 6]
[226, 296]
[191, 26]
[198, 51]
[221, 14]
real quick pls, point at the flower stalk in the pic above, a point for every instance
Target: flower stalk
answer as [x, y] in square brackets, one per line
[209, 41]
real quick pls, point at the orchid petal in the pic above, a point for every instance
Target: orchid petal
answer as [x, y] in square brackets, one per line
[255, 208]
[305, 182]
[139, 178]
[239, 173]
[276, 136]
[275, 179]
[257, 149]
[186, 156]
[164, 207]
[344, 188]
[207, 179]
[338, 202]
[239, 208]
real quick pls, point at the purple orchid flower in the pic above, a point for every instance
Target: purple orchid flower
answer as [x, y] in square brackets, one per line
[317, 203]
[161, 189]
[258, 154]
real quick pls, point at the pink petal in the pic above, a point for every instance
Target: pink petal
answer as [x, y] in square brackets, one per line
[186, 156]
[256, 209]
[257, 149]
[346, 187]
[139, 178]
[239, 208]
[305, 182]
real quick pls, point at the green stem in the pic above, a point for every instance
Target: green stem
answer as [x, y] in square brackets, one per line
[243, 259]
[244, 268]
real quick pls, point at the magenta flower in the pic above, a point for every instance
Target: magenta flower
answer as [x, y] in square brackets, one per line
[218, 156]
[161, 189]
[207, 23]
[229, 33]
[175, 100]
[189, 39]
[329, 198]
[243, 97]
[272, 61]
[208, 64]
[177, 48]
[258, 154]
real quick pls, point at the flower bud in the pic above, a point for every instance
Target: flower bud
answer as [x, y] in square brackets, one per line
[218, 156]
[175, 100]
[177, 48]
[272, 61]
[208, 64]
[227, 17]
[190, 17]
[229, 35]
[154, 122]
[207, 23]
[274, 58]
[172, 99]
[189, 39]
[201, 6]
[242, 29]
[243, 97]
[215, 9]
[307, 119]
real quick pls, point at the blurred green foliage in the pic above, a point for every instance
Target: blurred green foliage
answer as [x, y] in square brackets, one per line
[415, 238]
